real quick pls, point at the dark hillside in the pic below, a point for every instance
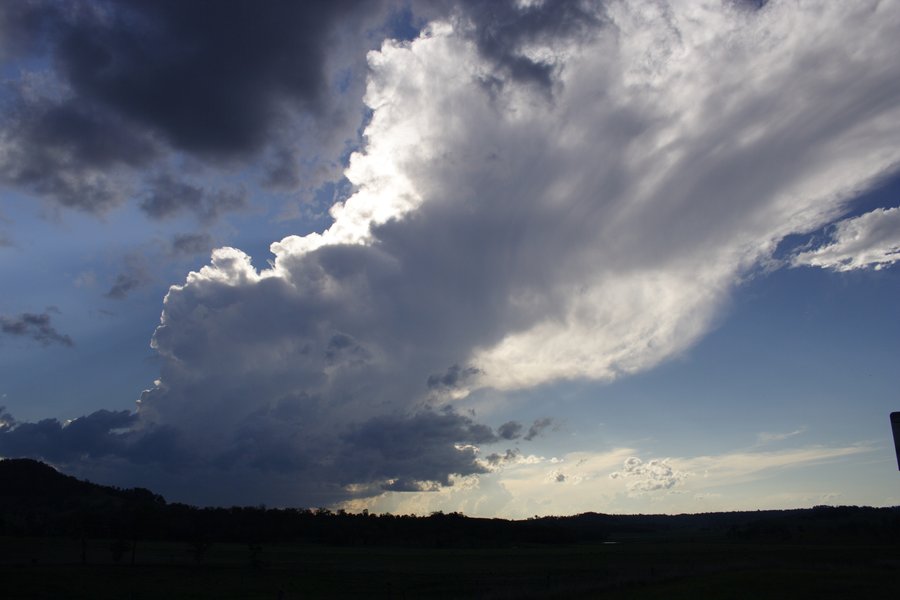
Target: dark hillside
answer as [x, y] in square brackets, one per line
[37, 500]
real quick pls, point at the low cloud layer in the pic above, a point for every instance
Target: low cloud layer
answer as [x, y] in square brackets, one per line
[581, 213]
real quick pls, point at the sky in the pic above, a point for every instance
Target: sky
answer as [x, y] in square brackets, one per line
[507, 258]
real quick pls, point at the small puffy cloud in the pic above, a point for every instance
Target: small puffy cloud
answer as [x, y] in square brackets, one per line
[653, 475]
[869, 241]
[36, 326]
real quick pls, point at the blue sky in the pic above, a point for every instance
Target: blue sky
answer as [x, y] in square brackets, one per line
[507, 258]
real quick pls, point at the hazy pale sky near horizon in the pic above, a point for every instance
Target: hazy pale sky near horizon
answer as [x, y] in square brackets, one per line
[500, 257]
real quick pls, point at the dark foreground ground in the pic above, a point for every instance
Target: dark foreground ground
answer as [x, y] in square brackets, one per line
[64, 538]
[53, 568]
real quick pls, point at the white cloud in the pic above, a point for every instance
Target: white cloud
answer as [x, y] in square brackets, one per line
[871, 240]
[766, 437]
[654, 475]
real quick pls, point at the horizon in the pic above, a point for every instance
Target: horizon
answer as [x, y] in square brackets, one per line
[506, 259]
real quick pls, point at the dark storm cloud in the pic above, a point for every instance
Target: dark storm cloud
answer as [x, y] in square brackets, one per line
[191, 243]
[168, 197]
[90, 436]
[426, 447]
[72, 154]
[131, 81]
[36, 326]
[212, 78]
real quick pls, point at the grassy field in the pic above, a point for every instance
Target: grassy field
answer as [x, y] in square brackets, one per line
[52, 568]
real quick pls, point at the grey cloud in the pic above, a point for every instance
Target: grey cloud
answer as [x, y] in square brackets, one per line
[100, 438]
[93, 436]
[510, 430]
[135, 274]
[6, 420]
[167, 197]
[454, 377]
[191, 243]
[73, 155]
[36, 326]
[342, 347]
[425, 447]
[560, 478]
[123, 285]
[538, 427]
[504, 27]
[495, 459]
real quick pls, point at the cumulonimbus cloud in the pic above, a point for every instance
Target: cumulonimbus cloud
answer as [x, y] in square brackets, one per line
[588, 228]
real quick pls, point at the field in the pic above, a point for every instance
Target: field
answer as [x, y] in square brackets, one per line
[53, 568]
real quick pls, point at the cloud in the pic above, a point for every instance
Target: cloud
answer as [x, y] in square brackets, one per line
[110, 91]
[871, 241]
[538, 427]
[167, 197]
[36, 326]
[134, 277]
[654, 475]
[123, 285]
[92, 436]
[191, 243]
[767, 438]
[510, 430]
[454, 377]
[502, 234]
[510, 34]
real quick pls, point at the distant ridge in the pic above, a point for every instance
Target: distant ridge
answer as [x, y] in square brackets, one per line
[38, 500]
